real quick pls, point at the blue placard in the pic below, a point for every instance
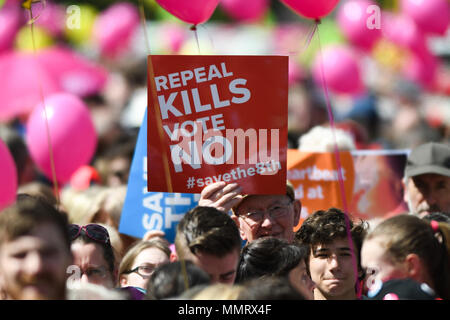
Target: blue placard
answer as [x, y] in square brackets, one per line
[144, 211]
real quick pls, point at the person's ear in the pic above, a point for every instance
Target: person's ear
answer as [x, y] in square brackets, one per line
[414, 267]
[173, 256]
[405, 189]
[236, 220]
[297, 211]
[123, 281]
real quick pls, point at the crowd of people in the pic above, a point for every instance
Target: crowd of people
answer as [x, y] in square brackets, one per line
[64, 243]
[234, 246]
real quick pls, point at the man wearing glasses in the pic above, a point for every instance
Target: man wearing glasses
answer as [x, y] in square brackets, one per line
[256, 216]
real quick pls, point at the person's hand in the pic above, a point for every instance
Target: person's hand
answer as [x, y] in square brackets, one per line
[221, 196]
[153, 234]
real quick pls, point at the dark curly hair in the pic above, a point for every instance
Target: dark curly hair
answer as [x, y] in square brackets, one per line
[323, 227]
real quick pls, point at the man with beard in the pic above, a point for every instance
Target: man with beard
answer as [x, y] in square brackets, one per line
[427, 179]
[34, 250]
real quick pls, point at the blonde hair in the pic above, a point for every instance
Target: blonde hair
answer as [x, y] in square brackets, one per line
[82, 206]
[219, 291]
[87, 205]
[91, 291]
[320, 139]
[116, 242]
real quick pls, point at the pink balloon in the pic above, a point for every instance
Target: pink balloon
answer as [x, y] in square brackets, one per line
[312, 9]
[114, 28]
[249, 10]
[72, 133]
[26, 77]
[401, 30]
[340, 69]
[356, 20]
[432, 16]
[74, 73]
[10, 22]
[175, 36]
[8, 177]
[190, 11]
[422, 68]
[52, 17]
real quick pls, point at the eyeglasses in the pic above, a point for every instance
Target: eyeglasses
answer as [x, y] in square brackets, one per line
[277, 211]
[144, 271]
[94, 231]
[95, 273]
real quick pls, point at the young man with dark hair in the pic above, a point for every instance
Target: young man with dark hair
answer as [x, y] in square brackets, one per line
[210, 239]
[34, 250]
[333, 261]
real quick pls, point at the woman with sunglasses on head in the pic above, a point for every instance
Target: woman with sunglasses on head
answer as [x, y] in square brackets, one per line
[141, 260]
[93, 254]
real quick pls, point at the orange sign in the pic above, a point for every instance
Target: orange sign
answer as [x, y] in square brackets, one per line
[217, 118]
[315, 177]
[378, 191]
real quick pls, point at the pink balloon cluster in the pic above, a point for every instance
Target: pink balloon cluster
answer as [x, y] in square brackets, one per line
[401, 30]
[420, 66]
[72, 135]
[8, 177]
[192, 11]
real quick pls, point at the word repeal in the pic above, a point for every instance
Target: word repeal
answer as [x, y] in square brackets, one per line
[184, 97]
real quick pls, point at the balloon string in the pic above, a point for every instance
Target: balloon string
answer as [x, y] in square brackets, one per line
[309, 36]
[41, 92]
[208, 35]
[151, 78]
[144, 25]
[339, 166]
[194, 28]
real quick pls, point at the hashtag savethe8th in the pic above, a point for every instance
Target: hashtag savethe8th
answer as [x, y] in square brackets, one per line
[261, 168]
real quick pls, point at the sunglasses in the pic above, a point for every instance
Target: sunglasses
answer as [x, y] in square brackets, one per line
[94, 231]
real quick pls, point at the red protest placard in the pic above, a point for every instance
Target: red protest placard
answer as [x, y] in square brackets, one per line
[217, 118]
